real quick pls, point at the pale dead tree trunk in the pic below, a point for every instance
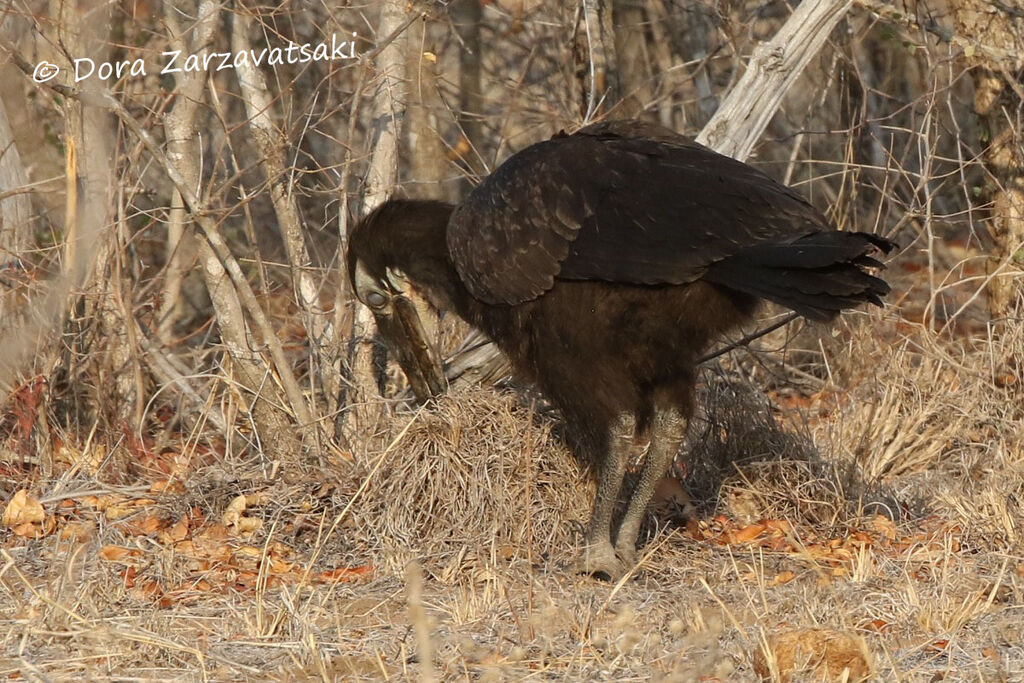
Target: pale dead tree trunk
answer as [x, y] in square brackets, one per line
[273, 425]
[594, 58]
[86, 27]
[773, 68]
[271, 144]
[466, 17]
[15, 208]
[424, 148]
[181, 248]
[998, 102]
[89, 150]
[389, 107]
[388, 116]
[89, 181]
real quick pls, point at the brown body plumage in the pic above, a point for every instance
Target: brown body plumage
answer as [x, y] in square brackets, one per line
[603, 264]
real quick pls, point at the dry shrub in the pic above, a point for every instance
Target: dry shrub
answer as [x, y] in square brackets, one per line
[746, 463]
[938, 420]
[808, 491]
[930, 425]
[919, 416]
[734, 426]
[476, 474]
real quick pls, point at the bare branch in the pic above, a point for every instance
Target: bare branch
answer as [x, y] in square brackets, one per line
[773, 68]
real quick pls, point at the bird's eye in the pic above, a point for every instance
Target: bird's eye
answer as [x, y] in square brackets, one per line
[376, 300]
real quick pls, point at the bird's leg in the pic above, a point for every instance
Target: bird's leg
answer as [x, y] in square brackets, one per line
[599, 556]
[667, 430]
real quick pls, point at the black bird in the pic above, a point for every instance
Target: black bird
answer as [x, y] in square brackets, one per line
[603, 263]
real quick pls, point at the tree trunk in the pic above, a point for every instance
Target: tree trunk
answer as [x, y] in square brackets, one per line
[90, 250]
[466, 16]
[773, 68]
[389, 111]
[997, 102]
[181, 248]
[429, 171]
[272, 424]
[15, 211]
[271, 145]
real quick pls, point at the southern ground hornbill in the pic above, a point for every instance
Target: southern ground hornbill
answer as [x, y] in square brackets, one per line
[603, 263]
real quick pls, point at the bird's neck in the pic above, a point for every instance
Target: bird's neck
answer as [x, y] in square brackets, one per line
[430, 268]
[444, 289]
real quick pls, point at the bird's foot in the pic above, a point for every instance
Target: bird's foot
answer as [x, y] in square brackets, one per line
[627, 553]
[603, 562]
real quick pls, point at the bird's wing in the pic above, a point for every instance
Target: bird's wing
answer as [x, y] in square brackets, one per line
[619, 202]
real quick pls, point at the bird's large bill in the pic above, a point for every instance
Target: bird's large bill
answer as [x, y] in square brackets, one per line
[404, 334]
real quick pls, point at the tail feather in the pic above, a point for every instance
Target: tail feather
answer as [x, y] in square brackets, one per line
[817, 275]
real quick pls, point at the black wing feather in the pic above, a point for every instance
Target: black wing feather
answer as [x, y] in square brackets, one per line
[635, 203]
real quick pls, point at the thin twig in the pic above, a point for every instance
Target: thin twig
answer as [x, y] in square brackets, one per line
[749, 338]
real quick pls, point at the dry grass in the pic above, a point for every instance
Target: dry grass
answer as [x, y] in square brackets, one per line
[469, 513]
[476, 478]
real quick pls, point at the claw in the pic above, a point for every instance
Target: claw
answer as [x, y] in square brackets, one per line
[602, 562]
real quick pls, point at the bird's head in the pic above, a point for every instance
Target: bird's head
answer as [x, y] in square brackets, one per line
[400, 246]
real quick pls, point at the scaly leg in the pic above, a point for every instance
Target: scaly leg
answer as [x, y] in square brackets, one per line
[667, 430]
[599, 557]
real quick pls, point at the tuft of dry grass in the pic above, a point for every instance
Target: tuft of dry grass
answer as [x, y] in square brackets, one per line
[475, 478]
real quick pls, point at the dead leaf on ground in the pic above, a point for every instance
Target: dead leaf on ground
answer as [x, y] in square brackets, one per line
[170, 486]
[884, 526]
[78, 531]
[33, 530]
[812, 653]
[178, 532]
[117, 553]
[247, 525]
[783, 577]
[877, 625]
[23, 509]
[147, 590]
[25, 517]
[120, 510]
[233, 512]
[746, 534]
[91, 461]
[144, 526]
[234, 518]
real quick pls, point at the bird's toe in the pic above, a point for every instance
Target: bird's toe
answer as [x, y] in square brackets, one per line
[602, 563]
[627, 554]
